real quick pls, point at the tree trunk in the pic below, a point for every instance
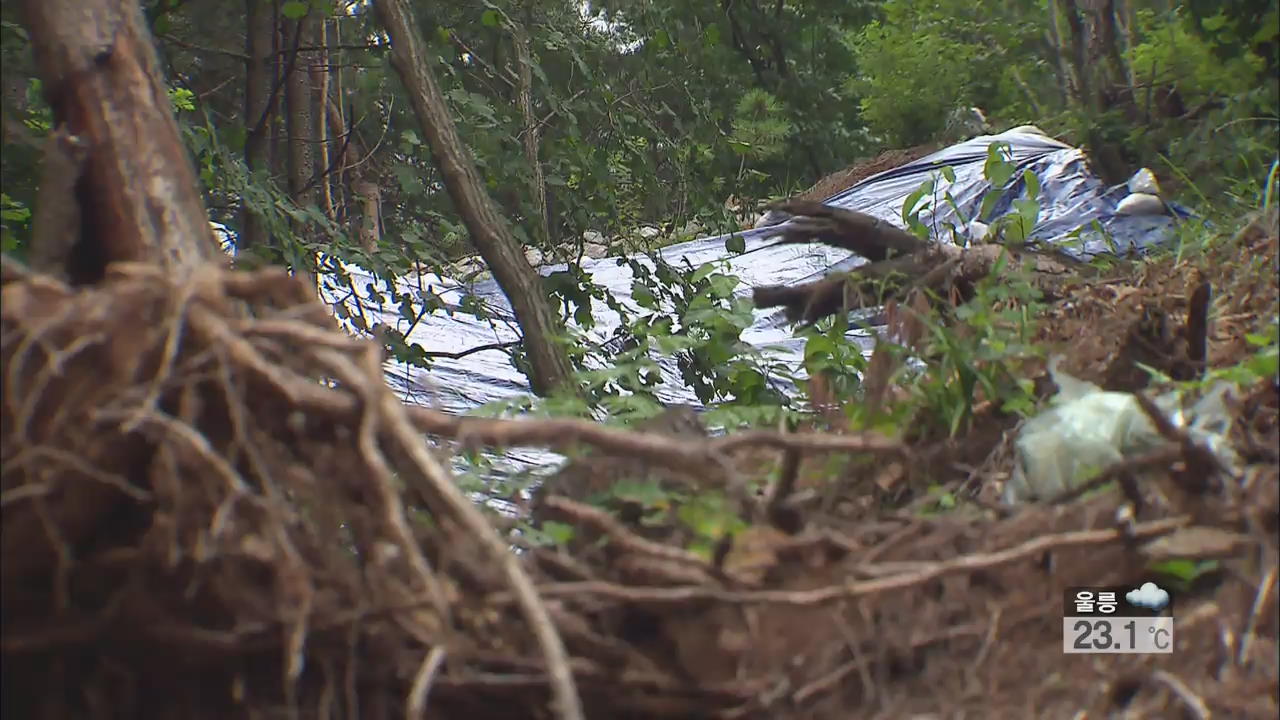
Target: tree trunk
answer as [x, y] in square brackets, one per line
[136, 194]
[1081, 88]
[259, 21]
[300, 122]
[321, 80]
[549, 363]
[1063, 76]
[537, 185]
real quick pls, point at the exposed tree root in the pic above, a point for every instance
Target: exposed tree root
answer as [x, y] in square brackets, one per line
[213, 506]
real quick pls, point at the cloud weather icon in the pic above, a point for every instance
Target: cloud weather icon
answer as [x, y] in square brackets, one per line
[1150, 596]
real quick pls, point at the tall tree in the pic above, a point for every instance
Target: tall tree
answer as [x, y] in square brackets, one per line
[260, 22]
[548, 360]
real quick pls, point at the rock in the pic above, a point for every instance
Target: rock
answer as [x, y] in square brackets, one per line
[648, 233]
[534, 256]
[1141, 204]
[591, 237]
[595, 250]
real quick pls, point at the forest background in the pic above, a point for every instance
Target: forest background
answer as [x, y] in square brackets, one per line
[635, 124]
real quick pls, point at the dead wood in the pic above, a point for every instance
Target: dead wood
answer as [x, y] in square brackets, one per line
[195, 496]
[899, 263]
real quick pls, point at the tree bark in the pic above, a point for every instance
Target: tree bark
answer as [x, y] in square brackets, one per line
[549, 363]
[537, 185]
[1082, 88]
[259, 24]
[136, 195]
[300, 122]
[321, 80]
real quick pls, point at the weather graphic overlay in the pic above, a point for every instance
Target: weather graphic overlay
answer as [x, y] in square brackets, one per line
[1135, 619]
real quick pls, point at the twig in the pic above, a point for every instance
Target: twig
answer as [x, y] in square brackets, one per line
[416, 707]
[1159, 456]
[1194, 702]
[1080, 538]
[665, 450]
[1259, 599]
[471, 350]
[1205, 463]
[564, 690]
[606, 523]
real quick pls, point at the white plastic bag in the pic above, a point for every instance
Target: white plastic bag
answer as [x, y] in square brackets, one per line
[1088, 429]
[1144, 181]
[1141, 204]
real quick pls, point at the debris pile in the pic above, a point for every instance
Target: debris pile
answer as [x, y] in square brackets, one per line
[215, 507]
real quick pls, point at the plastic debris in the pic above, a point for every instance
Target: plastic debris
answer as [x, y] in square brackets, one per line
[1076, 210]
[1028, 129]
[1144, 181]
[1088, 429]
[978, 231]
[1141, 204]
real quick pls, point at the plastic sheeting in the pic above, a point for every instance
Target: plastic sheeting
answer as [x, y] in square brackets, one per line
[1077, 211]
[1074, 206]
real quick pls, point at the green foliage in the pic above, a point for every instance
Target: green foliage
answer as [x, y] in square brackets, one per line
[920, 60]
[983, 351]
[1173, 54]
[760, 128]
[653, 112]
[905, 93]
[15, 223]
[976, 353]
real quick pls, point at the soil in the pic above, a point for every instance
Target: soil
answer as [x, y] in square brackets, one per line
[213, 507]
[857, 172]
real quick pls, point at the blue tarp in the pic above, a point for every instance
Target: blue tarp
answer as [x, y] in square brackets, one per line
[1074, 206]
[1073, 203]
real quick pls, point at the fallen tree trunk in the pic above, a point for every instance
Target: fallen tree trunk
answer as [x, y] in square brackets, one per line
[899, 263]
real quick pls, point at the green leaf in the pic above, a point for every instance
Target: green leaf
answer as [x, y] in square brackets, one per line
[736, 244]
[949, 173]
[1033, 184]
[711, 37]
[295, 9]
[1215, 23]
[644, 298]
[909, 209]
[559, 533]
[997, 169]
[490, 18]
[989, 201]
[702, 272]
